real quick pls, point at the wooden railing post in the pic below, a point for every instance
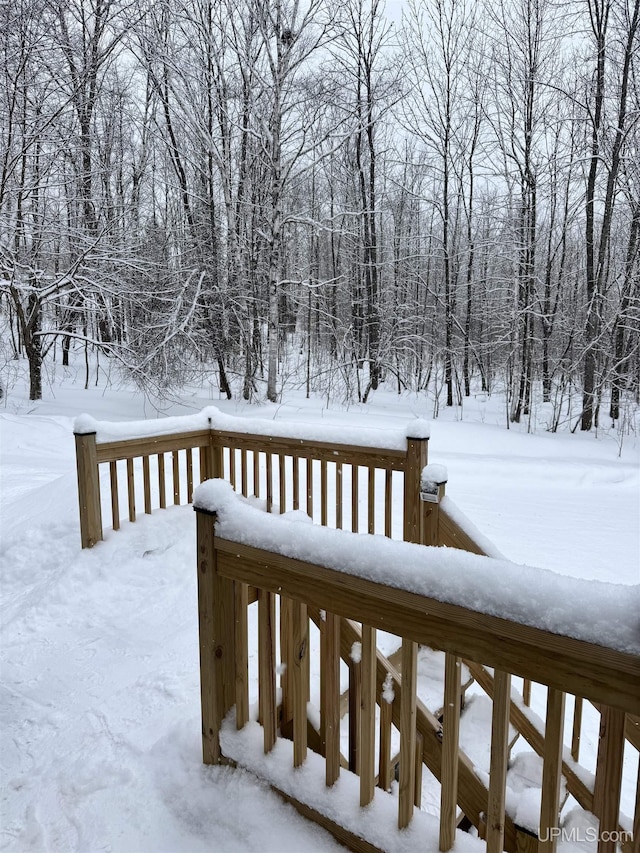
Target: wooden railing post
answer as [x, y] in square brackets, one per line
[267, 667]
[88, 489]
[211, 458]
[368, 716]
[330, 695]
[241, 596]
[499, 762]
[552, 771]
[406, 793]
[416, 459]
[606, 794]
[450, 747]
[300, 656]
[433, 481]
[217, 639]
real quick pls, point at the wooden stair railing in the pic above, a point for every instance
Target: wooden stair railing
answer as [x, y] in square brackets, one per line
[334, 483]
[598, 673]
[449, 533]
[472, 794]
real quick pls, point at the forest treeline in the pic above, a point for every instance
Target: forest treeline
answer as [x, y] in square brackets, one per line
[274, 190]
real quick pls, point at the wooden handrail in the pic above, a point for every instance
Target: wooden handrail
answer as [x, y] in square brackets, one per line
[255, 463]
[575, 666]
[561, 663]
[343, 484]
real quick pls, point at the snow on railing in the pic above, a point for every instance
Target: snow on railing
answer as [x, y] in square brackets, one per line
[212, 418]
[321, 468]
[371, 481]
[490, 613]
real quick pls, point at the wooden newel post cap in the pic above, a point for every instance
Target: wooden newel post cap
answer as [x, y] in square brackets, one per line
[211, 496]
[418, 430]
[85, 425]
[432, 480]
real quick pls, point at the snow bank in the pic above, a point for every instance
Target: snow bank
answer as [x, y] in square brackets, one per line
[211, 417]
[593, 611]
[120, 431]
[464, 523]
[377, 823]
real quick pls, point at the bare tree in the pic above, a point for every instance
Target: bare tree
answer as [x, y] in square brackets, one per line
[611, 23]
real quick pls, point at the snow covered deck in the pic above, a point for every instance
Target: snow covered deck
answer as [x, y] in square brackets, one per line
[353, 586]
[369, 481]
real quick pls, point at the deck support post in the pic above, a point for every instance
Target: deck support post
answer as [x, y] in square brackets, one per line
[88, 489]
[216, 625]
[417, 451]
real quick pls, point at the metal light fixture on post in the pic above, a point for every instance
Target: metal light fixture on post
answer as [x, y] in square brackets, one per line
[432, 484]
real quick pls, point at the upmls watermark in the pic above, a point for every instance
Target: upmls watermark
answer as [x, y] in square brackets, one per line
[590, 833]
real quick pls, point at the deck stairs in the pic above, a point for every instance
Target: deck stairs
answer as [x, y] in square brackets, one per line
[381, 485]
[475, 733]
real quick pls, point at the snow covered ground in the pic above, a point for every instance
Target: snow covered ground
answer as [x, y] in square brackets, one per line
[99, 702]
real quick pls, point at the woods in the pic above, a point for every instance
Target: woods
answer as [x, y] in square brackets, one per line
[320, 193]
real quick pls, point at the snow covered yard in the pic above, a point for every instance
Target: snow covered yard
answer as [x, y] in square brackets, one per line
[100, 696]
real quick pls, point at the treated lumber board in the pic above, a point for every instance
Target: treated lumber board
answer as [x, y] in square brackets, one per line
[146, 482]
[129, 448]
[267, 668]
[241, 604]
[578, 667]
[244, 473]
[355, 503]
[552, 771]
[175, 466]
[162, 484]
[339, 495]
[606, 795]
[88, 490]
[131, 490]
[417, 776]
[115, 503]
[472, 794]
[576, 730]
[453, 536]
[300, 652]
[330, 695]
[323, 493]
[371, 500]
[499, 762]
[349, 839]
[368, 716]
[408, 699]
[378, 457]
[384, 761]
[450, 751]
[534, 737]
[217, 641]
[388, 502]
[416, 459]
[631, 728]
[354, 700]
[286, 658]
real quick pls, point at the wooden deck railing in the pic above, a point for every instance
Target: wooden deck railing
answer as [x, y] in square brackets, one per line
[364, 489]
[347, 608]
